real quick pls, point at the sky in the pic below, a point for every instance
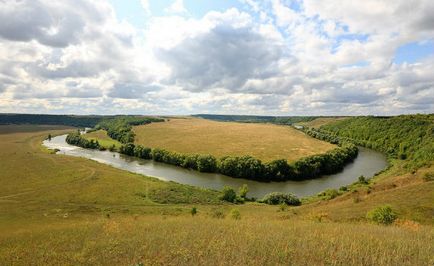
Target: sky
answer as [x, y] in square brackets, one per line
[179, 57]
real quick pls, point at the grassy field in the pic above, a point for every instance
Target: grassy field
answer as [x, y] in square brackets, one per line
[316, 123]
[263, 141]
[103, 139]
[57, 209]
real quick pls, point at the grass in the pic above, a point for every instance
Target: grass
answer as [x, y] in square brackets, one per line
[103, 139]
[57, 210]
[316, 123]
[263, 141]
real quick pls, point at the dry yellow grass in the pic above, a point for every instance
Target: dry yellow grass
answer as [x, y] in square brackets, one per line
[264, 141]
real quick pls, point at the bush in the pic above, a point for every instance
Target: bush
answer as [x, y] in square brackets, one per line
[363, 180]
[329, 194]
[382, 215]
[193, 211]
[243, 191]
[228, 194]
[235, 214]
[275, 198]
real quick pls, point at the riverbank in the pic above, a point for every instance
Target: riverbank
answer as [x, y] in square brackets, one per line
[367, 163]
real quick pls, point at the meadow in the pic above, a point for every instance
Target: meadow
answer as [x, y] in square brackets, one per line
[199, 136]
[56, 209]
[103, 139]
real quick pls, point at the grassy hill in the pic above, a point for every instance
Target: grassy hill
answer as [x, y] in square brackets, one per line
[57, 209]
[263, 141]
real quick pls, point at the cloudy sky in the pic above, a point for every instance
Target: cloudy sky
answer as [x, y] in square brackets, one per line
[274, 57]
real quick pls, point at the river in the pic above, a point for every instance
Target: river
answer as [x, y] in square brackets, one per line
[367, 163]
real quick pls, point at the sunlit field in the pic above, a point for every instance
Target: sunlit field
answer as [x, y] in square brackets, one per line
[56, 209]
[263, 141]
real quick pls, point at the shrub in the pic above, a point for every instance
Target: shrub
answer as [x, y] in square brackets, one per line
[275, 198]
[329, 194]
[193, 211]
[343, 188]
[382, 215]
[363, 180]
[228, 194]
[235, 214]
[243, 191]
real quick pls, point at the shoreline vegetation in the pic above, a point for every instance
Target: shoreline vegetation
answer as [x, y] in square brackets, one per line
[246, 167]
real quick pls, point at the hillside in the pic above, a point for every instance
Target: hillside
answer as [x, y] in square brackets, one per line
[57, 209]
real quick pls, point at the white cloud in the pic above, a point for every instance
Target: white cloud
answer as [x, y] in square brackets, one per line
[177, 7]
[317, 57]
[146, 6]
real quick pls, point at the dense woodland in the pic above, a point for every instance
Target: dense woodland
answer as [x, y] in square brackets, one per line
[120, 128]
[281, 120]
[67, 120]
[403, 137]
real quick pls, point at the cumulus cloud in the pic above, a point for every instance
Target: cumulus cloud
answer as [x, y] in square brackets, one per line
[268, 57]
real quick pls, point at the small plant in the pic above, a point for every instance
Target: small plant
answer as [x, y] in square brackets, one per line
[235, 214]
[243, 191]
[382, 215]
[363, 180]
[343, 188]
[228, 194]
[49, 137]
[428, 176]
[193, 211]
[282, 207]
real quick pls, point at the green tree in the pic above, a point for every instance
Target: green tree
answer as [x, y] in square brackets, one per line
[228, 194]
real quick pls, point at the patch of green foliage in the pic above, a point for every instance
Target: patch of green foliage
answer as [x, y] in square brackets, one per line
[382, 215]
[276, 198]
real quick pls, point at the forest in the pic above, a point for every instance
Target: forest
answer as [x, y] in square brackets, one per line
[41, 119]
[406, 137]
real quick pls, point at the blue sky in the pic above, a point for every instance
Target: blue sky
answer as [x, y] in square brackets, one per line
[271, 57]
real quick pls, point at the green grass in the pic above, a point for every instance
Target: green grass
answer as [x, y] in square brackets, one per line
[103, 139]
[57, 210]
[199, 136]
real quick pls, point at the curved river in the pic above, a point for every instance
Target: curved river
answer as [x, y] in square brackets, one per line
[367, 163]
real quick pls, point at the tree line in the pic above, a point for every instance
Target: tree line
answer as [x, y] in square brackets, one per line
[120, 127]
[40, 119]
[248, 167]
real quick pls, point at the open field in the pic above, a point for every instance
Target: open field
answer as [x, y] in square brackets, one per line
[103, 139]
[263, 141]
[57, 209]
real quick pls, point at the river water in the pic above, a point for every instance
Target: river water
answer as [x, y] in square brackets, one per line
[367, 163]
